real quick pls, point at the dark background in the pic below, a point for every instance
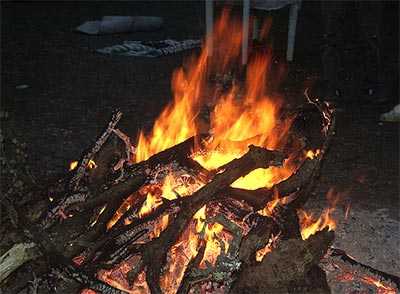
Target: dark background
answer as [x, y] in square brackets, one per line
[73, 90]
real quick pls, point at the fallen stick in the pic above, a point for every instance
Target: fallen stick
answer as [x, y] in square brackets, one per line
[17, 256]
[80, 172]
[338, 253]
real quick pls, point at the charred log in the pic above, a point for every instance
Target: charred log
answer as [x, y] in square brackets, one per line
[256, 157]
[284, 266]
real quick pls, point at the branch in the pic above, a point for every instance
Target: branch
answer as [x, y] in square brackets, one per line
[256, 157]
[260, 197]
[17, 256]
[80, 172]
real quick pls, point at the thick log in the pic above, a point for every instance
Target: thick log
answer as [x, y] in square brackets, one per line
[187, 281]
[179, 153]
[284, 266]
[260, 197]
[115, 194]
[304, 194]
[256, 239]
[256, 157]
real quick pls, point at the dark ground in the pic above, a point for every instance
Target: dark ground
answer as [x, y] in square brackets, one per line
[72, 90]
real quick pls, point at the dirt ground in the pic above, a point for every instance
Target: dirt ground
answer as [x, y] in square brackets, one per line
[72, 90]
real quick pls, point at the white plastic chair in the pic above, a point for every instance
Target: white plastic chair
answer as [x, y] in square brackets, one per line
[257, 4]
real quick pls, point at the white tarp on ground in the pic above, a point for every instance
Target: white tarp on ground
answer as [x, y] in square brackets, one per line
[120, 24]
[392, 115]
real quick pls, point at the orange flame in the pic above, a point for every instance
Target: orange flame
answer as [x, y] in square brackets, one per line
[310, 225]
[260, 254]
[120, 212]
[213, 234]
[268, 209]
[381, 287]
[312, 154]
[149, 204]
[239, 116]
[74, 164]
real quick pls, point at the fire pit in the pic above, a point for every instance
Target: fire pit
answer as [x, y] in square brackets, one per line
[186, 210]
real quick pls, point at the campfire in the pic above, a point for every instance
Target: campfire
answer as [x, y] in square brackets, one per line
[210, 200]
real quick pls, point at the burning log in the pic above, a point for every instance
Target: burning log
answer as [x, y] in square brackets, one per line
[256, 239]
[260, 197]
[187, 280]
[256, 157]
[183, 209]
[114, 244]
[90, 199]
[284, 266]
[341, 260]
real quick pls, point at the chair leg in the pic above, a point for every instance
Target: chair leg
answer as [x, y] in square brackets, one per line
[293, 13]
[209, 26]
[245, 31]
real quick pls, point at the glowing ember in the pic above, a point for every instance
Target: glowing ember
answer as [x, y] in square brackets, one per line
[381, 287]
[312, 154]
[179, 186]
[116, 277]
[260, 254]
[92, 164]
[73, 165]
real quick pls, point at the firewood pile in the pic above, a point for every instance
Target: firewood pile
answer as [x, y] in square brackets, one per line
[89, 226]
[178, 212]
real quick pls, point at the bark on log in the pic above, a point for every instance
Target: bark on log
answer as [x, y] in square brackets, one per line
[335, 253]
[187, 281]
[285, 265]
[179, 153]
[115, 197]
[260, 197]
[156, 251]
[256, 239]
